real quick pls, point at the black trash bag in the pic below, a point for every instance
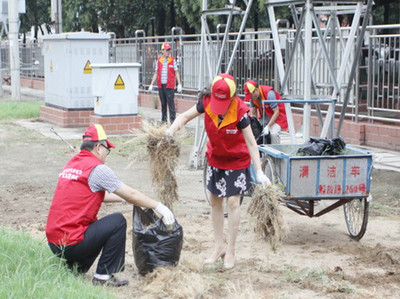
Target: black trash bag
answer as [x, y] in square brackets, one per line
[322, 147]
[337, 147]
[264, 139]
[153, 244]
[257, 129]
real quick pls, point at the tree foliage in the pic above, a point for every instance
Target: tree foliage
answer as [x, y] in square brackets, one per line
[386, 12]
[37, 13]
[119, 16]
[158, 17]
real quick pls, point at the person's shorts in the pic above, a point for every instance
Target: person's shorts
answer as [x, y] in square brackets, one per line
[226, 183]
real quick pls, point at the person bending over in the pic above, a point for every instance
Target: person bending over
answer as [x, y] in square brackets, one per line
[73, 230]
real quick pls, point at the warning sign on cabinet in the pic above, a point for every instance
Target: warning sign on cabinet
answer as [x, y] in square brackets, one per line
[119, 83]
[88, 68]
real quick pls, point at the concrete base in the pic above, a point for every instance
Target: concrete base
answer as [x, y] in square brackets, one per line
[66, 118]
[122, 124]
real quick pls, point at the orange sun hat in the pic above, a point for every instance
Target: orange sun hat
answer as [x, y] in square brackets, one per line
[96, 133]
[222, 91]
[249, 88]
[165, 46]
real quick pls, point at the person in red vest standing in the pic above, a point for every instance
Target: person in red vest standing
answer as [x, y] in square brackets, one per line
[166, 72]
[275, 111]
[73, 230]
[230, 149]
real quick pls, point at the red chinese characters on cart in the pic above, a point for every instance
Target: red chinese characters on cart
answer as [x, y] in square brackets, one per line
[332, 176]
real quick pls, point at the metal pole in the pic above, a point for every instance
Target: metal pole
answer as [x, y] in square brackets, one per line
[307, 71]
[14, 49]
[281, 69]
[343, 66]
[239, 35]
[224, 42]
[56, 15]
[353, 68]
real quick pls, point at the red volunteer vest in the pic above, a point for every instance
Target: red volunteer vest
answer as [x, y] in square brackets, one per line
[281, 120]
[226, 148]
[74, 205]
[170, 72]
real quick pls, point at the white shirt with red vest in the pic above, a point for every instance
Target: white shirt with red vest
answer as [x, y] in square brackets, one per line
[165, 69]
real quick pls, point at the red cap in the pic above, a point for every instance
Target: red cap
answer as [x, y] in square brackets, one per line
[249, 88]
[222, 91]
[96, 133]
[165, 46]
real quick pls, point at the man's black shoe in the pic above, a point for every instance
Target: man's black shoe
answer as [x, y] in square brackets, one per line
[111, 282]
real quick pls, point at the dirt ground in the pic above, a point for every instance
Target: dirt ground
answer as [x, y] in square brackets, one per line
[316, 260]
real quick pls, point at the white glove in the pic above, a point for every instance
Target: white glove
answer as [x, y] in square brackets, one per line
[262, 178]
[151, 87]
[179, 88]
[168, 132]
[266, 130]
[166, 213]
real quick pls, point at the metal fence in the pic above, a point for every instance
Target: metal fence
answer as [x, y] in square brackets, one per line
[375, 94]
[31, 58]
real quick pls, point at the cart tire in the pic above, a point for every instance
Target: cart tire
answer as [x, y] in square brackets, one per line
[268, 167]
[356, 215]
[206, 192]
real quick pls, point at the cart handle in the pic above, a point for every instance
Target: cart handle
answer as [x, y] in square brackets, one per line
[298, 101]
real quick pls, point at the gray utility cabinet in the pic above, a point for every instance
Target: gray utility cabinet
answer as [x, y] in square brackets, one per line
[68, 72]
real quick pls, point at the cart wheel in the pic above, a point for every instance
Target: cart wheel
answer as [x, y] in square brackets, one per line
[206, 192]
[356, 215]
[267, 165]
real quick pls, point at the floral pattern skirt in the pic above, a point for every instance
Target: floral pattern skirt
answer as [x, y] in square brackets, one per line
[226, 183]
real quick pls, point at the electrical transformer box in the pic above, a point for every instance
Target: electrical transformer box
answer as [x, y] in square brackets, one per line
[68, 59]
[115, 88]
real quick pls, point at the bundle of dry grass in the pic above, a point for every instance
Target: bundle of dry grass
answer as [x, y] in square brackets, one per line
[164, 154]
[266, 215]
[183, 281]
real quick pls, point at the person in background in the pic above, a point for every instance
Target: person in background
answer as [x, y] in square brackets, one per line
[275, 111]
[166, 72]
[230, 149]
[73, 230]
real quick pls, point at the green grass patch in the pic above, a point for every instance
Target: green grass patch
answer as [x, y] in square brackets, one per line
[19, 110]
[28, 269]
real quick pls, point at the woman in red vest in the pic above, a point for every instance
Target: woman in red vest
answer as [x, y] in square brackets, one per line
[73, 230]
[230, 149]
[275, 111]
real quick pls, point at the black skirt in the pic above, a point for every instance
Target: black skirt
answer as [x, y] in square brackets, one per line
[226, 183]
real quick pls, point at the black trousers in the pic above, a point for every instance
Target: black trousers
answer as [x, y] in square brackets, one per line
[108, 236]
[167, 99]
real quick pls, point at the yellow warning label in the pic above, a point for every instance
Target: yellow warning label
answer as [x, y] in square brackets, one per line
[88, 68]
[119, 83]
[51, 66]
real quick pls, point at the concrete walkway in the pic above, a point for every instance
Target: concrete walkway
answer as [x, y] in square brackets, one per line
[383, 159]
